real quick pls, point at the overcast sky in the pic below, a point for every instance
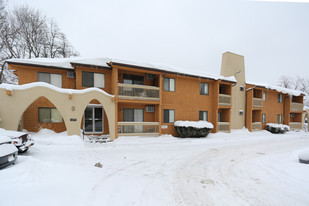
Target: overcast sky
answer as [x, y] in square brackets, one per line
[190, 34]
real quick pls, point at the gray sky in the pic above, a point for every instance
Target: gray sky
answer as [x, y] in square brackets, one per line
[190, 34]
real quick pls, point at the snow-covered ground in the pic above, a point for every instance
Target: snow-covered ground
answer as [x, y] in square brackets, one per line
[240, 168]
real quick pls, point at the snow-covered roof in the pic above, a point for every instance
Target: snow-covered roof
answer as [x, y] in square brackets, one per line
[278, 88]
[66, 63]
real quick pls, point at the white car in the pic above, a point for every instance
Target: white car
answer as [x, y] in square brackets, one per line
[8, 152]
[21, 140]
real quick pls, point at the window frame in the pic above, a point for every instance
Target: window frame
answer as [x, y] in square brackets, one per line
[50, 77]
[93, 83]
[50, 115]
[264, 96]
[263, 118]
[280, 98]
[201, 113]
[279, 116]
[204, 83]
[169, 84]
[169, 114]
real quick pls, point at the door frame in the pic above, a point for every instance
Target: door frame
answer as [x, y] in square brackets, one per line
[92, 106]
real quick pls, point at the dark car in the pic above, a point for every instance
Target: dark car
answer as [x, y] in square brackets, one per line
[21, 140]
[8, 152]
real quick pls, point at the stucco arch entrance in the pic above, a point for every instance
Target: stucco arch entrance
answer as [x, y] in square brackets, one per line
[15, 99]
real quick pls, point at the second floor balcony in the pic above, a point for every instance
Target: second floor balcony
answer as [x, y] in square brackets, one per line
[138, 92]
[297, 107]
[257, 102]
[224, 100]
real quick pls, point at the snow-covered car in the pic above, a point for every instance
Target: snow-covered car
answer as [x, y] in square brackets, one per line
[21, 140]
[8, 152]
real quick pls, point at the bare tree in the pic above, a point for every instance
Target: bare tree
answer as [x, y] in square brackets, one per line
[26, 33]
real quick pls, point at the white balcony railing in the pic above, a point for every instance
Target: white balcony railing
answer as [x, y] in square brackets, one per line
[224, 100]
[223, 126]
[257, 102]
[134, 91]
[138, 128]
[297, 107]
[296, 126]
[256, 126]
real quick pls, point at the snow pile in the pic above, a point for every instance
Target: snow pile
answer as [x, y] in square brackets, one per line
[46, 85]
[49, 137]
[195, 124]
[279, 89]
[304, 156]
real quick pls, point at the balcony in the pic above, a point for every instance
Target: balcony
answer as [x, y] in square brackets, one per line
[256, 126]
[140, 92]
[296, 107]
[296, 126]
[138, 128]
[224, 100]
[223, 126]
[257, 102]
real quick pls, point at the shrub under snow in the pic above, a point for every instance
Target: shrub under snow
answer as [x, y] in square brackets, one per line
[277, 128]
[304, 157]
[193, 128]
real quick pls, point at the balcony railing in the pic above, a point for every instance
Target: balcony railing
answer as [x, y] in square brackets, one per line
[138, 128]
[133, 91]
[223, 126]
[256, 126]
[224, 100]
[257, 102]
[296, 126]
[297, 107]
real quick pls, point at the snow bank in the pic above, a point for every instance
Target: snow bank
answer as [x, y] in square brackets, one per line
[46, 85]
[195, 124]
[278, 89]
[49, 137]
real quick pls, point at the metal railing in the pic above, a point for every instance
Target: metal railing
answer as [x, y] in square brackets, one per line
[296, 126]
[256, 126]
[138, 128]
[297, 106]
[134, 91]
[257, 102]
[223, 126]
[224, 100]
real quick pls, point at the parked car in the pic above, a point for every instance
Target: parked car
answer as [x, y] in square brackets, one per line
[21, 140]
[8, 152]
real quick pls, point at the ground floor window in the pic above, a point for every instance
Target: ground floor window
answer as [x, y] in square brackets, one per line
[203, 115]
[49, 115]
[279, 118]
[263, 118]
[93, 119]
[169, 116]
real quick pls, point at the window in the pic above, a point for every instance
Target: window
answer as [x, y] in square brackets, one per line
[169, 115]
[169, 84]
[90, 79]
[150, 76]
[133, 79]
[242, 88]
[133, 115]
[280, 98]
[263, 118]
[150, 108]
[279, 118]
[203, 115]
[53, 79]
[204, 89]
[49, 115]
[264, 96]
[219, 117]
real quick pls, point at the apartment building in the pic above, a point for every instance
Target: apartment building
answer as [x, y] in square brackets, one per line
[149, 98]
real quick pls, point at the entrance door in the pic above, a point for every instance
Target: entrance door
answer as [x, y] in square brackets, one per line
[93, 120]
[133, 115]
